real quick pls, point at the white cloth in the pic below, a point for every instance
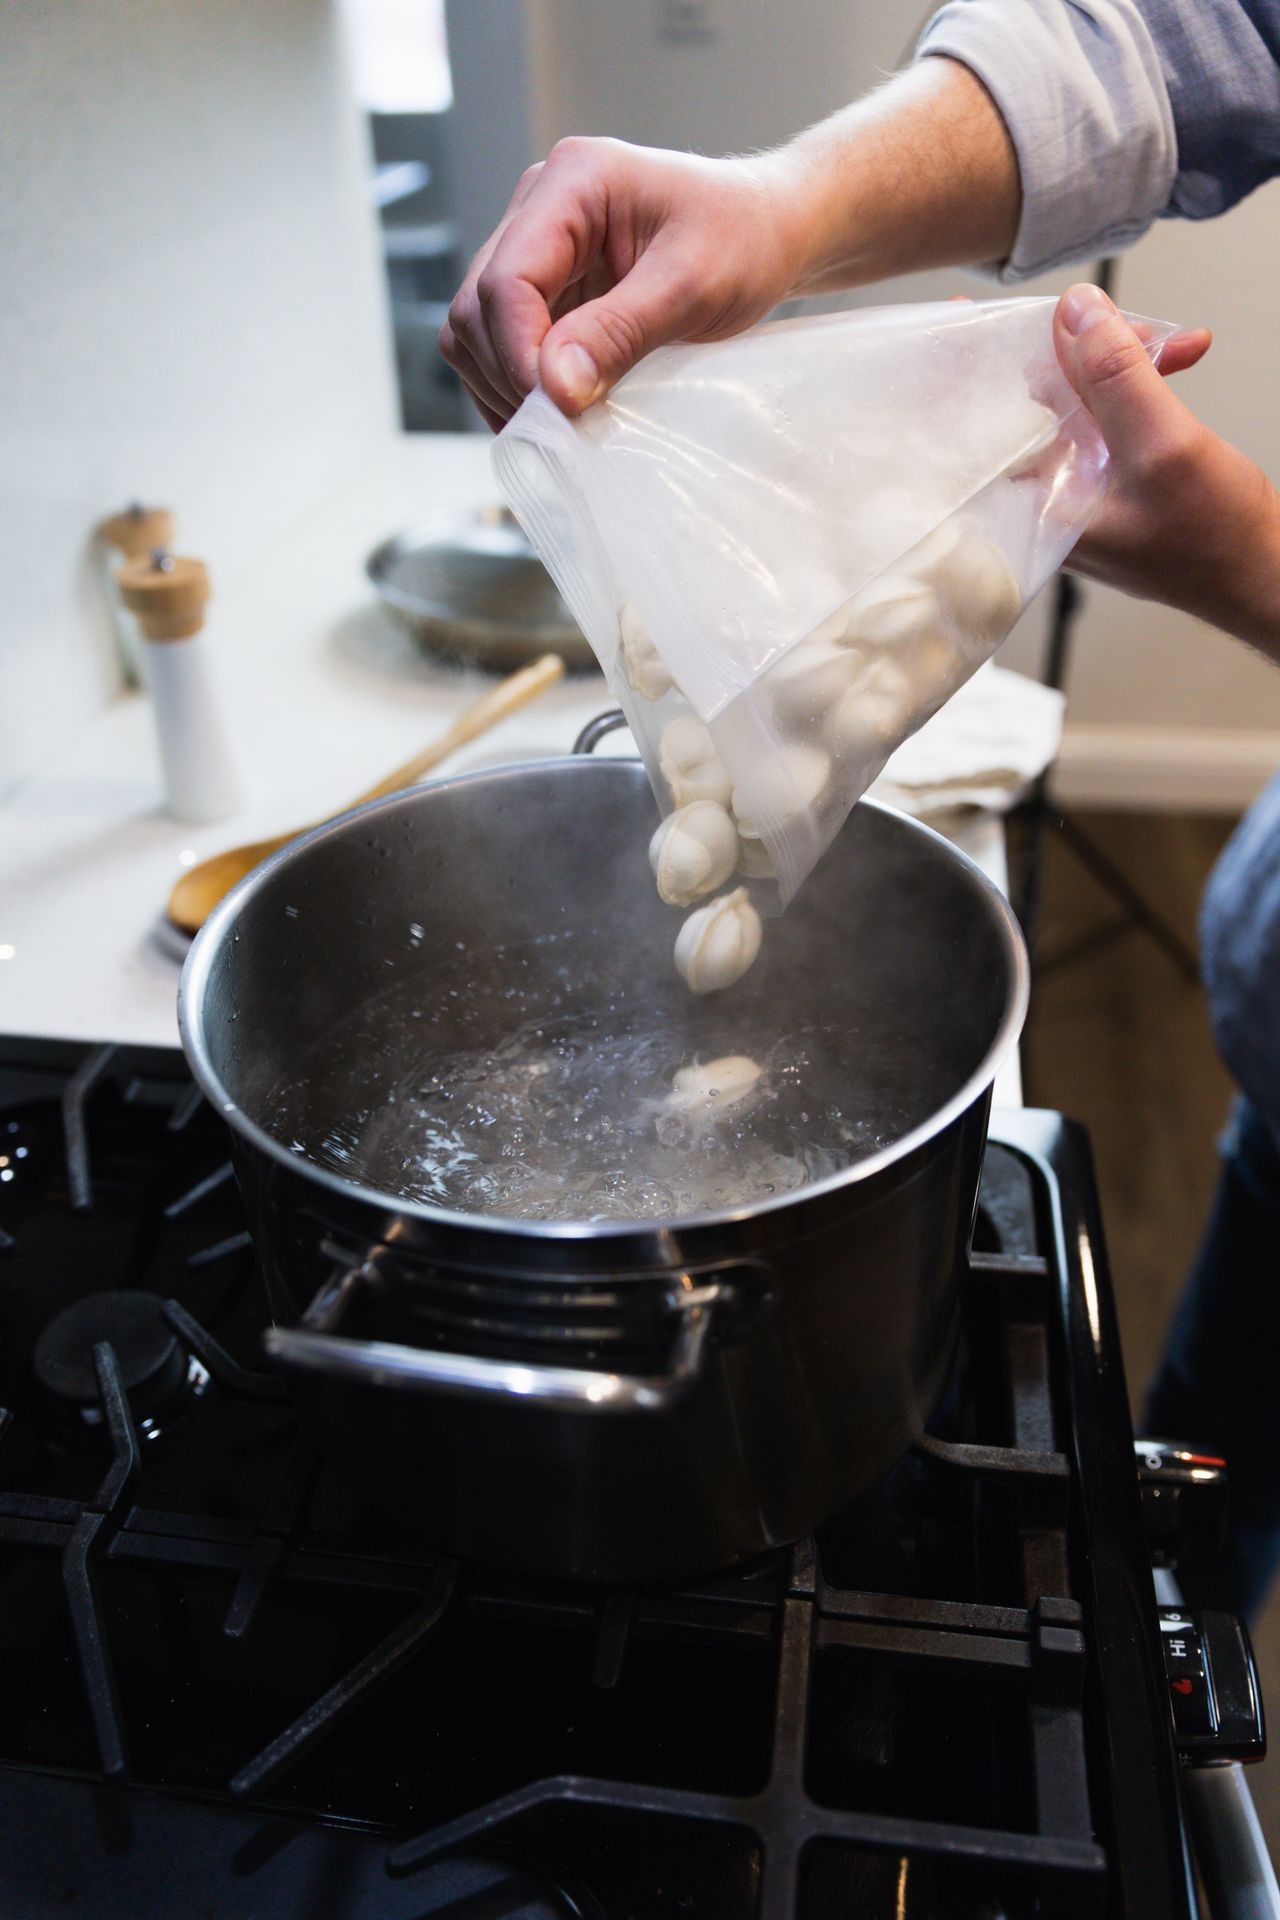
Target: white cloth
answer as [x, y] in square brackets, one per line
[982, 749]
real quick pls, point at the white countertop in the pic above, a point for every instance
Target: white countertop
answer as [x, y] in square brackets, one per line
[325, 693]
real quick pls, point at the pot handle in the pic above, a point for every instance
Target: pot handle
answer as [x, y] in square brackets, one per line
[612, 720]
[385, 1363]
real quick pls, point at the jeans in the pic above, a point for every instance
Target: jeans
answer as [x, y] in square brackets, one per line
[1217, 1383]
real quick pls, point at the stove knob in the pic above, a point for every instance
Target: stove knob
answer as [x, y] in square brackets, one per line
[1184, 1500]
[1213, 1687]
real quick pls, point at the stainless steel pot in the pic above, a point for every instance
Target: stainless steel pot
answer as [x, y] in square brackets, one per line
[608, 1400]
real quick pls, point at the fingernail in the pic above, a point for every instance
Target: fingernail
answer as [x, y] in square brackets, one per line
[579, 373]
[1083, 307]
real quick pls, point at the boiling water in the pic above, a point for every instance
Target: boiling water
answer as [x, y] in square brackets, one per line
[566, 1117]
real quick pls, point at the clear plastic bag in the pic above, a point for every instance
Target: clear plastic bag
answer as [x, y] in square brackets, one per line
[789, 548]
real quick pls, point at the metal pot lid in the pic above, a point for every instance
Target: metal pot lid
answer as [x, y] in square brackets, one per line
[469, 584]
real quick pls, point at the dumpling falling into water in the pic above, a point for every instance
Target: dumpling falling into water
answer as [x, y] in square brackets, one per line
[718, 943]
[714, 1086]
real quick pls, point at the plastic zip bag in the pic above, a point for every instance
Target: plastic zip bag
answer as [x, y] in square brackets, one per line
[789, 548]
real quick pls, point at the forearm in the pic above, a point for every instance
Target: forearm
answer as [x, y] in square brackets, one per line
[1028, 133]
[1259, 623]
[921, 173]
[1242, 595]
[1229, 576]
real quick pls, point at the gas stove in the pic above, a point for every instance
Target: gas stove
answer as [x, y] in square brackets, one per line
[231, 1687]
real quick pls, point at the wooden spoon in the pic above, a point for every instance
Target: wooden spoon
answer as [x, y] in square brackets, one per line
[198, 892]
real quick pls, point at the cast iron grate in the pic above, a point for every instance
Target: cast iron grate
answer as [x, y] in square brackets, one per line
[821, 1641]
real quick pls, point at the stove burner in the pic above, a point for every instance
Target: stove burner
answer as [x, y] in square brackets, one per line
[157, 1376]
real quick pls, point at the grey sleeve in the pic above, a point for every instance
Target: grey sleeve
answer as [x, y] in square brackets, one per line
[1121, 111]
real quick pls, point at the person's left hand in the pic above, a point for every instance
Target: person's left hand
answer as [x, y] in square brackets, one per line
[1188, 519]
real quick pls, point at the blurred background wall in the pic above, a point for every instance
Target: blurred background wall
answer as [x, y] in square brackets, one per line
[192, 309]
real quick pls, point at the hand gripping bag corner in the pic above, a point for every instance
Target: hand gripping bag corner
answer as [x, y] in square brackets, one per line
[788, 549]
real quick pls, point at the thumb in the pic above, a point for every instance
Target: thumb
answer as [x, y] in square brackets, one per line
[588, 351]
[1110, 369]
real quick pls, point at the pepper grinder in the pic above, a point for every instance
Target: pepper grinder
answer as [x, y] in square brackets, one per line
[168, 595]
[126, 536]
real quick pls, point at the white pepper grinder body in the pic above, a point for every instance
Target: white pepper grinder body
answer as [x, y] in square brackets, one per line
[168, 594]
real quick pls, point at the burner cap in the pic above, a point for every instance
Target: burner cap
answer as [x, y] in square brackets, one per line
[152, 1366]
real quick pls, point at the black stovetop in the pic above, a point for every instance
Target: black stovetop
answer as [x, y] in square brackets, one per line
[231, 1688]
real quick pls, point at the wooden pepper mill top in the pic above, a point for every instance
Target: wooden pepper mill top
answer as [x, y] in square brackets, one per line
[138, 531]
[167, 592]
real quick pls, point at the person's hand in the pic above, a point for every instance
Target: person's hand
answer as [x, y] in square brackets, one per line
[1188, 520]
[607, 251]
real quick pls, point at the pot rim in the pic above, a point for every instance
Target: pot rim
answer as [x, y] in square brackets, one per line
[192, 996]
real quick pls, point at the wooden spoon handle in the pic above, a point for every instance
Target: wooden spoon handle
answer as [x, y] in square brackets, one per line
[509, 694]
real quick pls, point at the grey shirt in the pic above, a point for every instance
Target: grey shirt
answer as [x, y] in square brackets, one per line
[1122, 111]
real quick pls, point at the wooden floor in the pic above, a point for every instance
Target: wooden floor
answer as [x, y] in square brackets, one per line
[1119, 1039]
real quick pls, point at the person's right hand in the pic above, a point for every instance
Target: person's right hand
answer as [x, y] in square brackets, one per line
[607, 251]
[1189, 520]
